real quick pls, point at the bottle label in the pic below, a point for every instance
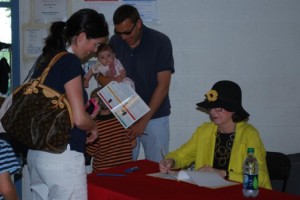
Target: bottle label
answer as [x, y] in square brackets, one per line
[250, 182]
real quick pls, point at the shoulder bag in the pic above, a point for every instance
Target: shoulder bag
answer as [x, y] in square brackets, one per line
[39, 117]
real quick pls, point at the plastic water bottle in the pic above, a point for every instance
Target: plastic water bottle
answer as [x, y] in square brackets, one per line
[250, 172]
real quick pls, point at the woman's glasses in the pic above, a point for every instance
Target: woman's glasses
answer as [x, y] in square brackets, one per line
[216, 109]
[125, 32]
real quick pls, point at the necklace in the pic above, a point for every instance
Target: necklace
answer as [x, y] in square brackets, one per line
[224, 143]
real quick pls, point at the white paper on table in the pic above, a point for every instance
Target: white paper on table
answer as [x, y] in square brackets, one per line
[203, 179]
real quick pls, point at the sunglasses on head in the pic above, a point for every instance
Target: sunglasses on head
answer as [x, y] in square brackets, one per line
[125, 32]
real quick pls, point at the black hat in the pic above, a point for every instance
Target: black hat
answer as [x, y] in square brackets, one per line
[224, 94]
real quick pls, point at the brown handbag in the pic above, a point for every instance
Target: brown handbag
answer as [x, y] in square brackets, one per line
[39, 117]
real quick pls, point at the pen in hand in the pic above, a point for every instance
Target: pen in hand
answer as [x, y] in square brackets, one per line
[165, 161]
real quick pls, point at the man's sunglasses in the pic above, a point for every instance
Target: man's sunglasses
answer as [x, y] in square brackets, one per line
[125, 32]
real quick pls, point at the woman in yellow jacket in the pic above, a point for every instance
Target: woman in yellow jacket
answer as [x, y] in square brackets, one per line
[221, 145]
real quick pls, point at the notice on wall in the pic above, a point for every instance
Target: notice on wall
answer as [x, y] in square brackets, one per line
[106, 7]
[49, 10]
[34, 40]
[146, 8]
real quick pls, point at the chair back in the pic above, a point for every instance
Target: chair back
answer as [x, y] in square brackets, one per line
[279, 166]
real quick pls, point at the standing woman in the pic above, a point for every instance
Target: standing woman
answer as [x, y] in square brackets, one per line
[63, 176]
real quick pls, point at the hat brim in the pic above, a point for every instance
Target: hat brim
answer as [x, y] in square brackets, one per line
[223, 104]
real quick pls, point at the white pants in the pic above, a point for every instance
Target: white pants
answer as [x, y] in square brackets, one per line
[57, 176]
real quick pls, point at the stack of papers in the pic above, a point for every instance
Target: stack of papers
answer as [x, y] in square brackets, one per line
[203, 179]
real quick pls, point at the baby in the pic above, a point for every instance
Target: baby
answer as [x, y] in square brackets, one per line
[108, 65]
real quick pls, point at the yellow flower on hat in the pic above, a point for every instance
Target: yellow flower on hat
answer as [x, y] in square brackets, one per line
[212, 95]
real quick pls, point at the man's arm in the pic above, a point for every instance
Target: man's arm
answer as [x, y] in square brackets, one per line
[159, 94]
[103, 80]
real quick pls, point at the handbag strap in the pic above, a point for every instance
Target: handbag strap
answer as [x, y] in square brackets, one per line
[44, 74]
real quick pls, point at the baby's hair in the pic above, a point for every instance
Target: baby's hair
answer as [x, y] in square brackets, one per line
[104, 47]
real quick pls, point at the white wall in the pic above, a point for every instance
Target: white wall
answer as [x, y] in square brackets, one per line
[253, 42]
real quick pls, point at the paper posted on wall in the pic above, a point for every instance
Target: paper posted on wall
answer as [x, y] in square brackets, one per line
[123, 102]
[203, 179]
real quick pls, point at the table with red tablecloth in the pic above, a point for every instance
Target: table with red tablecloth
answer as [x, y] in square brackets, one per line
[138, 185]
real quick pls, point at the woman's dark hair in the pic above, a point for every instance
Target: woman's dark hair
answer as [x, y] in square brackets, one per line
[55, 41]
[238, 117]
[126, 12]
[85, 20]
[61, 33]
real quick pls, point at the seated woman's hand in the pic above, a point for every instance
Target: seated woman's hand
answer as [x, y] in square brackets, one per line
[166, 165]
[207, 168]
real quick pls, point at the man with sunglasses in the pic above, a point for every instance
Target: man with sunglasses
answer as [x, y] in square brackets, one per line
[148, 59]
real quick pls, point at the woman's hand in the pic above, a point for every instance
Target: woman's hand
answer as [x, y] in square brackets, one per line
[166, 165]
[92, 136]
[207, 168]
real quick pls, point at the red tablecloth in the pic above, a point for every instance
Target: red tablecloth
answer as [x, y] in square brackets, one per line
[138, 185]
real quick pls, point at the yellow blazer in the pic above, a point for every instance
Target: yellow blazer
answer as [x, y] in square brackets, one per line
[199, 149]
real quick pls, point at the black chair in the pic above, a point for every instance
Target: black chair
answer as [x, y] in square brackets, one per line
[279, 166]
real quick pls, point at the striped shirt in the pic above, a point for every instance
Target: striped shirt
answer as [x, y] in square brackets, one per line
[8, 160]
[112, 147]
